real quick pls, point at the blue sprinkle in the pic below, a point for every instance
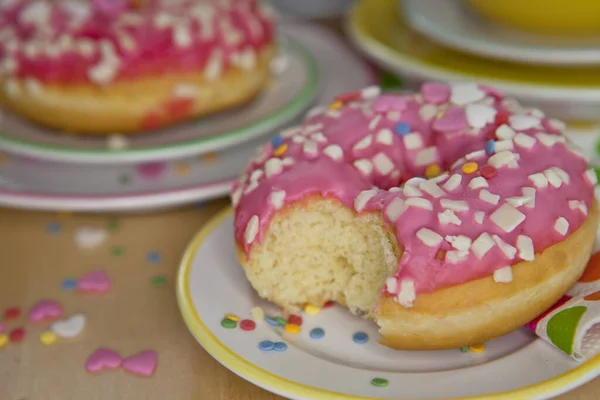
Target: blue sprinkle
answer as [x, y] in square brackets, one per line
[489, 147]
[280, 347]
[402, 128]
[272, 321]
[69, 284]
[360, 338]
[317, 333]
[153, 257]
[276, 141]
[266, 345]
[53, 228]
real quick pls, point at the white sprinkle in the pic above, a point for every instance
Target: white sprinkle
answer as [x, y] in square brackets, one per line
[591, 177]
[564, 176]
[507, 217]
[288, 161]
[279, 64]
[256, 175]
[561, 226]
[553, 178]
[478, 182]
[214, 65]
[374, 122]
[395, 209]
[273, 166]
[428, 111]
[363, 143]
[503, 275]
[488, 197]
[539, 180]
[418, 202]
[32, 86]
[455, 256]
[479, 216]
[236, 196]
[413, 141]
[289, 132]
[412, 191]
[370, 92]
[482, 245]
[524, 122]
[475, 155]
[251, 230]
[395, 189]
[334, 151]
[385, 136]
[460, 242]
[479, 115]
[431, 188]
[429, 237]
[525, 246]
[117, 142]
[181, 35]
[319, 137]
[503, 145]
[364, 166]
[453, 182]
[88, 238]
[455, 205]
[407, 294]
[525, 141]
[549, 140]
[315, 111]
[104, 72]
[530, 193]
[185, 90]
[253, 185]
[502, 158]
[426, 156]
[505, 132]
[458, 162]
[465, 93]
[558, 125]
[310, 148]
[391, 285]
[277, 198]
[448, 217]
[536, 112]
[440, 178]
[508, 250]
[393, 115]
[578, 205]
[363, 198]
[383, 164]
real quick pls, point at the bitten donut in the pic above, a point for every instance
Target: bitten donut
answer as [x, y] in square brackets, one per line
[450, 217]
[112, 66]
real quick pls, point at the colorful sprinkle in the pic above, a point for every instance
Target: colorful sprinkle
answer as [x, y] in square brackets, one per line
[295, 319]
[117, 251]
[280, 347]
[3, 340]
[182, 169]
[336, 105]
[488, 171]
[158, 281]
[464, 349]
[501, 118]
[53, 228]
[441, 255]
[489, 147]
[94, 282]
[317, 333]
[348, 96]
[276, 141]
[228, 323]
[247, 325]
[113, 224]
[280, 150]
[360, 338]
[292, 329]
[432, 171]
[153, 257]
[272, 321]
[402, 128]
[68, 284]
[470, 167]
[379, 382]
[232, 317]
[12, 313]
[477, 348]
[266, 345]
[329, 304]
[311, 310]
[16, 335]
[209, 157]
[280, 321]
[48, 338]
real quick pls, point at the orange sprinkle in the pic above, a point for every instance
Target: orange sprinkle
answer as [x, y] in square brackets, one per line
[441, 255]
[592, 271]
[280, 150]
[470, 167]
[477, 348]
[183, 169]
[209, 157]
[593, 297]
[432, 171]
[336, 105]
[4, 158]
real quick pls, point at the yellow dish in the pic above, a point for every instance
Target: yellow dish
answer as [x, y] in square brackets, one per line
[550, 17]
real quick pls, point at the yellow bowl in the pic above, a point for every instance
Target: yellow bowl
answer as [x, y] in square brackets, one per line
[551, 17]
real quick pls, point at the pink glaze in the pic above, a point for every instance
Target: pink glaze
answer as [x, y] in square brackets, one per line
[456, 122]
[64, 41]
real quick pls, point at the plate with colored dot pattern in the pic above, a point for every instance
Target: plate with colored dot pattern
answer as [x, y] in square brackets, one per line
[328, 354]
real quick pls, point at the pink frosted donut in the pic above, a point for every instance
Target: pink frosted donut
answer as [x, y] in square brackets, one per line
[499, 229]
[117, 66]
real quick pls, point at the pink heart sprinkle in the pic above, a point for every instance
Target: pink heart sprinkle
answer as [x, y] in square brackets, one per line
[151, 170]
[95, 281]
[102, 359]
[436, 93]
[44, 310]
[143, 363]
[454, 119]
[385, 103]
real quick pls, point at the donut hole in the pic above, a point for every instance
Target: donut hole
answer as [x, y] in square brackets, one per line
[318, 250]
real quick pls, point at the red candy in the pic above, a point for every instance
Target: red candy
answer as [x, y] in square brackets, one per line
[12, 313]
[16, 335]
[329, 304]
[349, 96]
[488, 171]
[151, 121]
[501, 118]
[294, 319]
[179, 108]
[247, 325]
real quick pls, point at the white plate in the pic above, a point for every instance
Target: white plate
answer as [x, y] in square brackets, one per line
[452, 24]
[285, 98]
[212, 284]
[36, 184]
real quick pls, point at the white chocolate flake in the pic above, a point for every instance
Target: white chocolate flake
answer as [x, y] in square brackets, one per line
[426, 156]
[273, 166]
[549, 140]
[385, 136]
[502, 158]
[478, 216]
[591, 177]
[419, 202]
[431, 188]
[561, 225]
[370, 92]
[475, 155]
[395, 209]
[524, 141]
[364, 166]
[251, 229]
[448, 217]
[509, 251]
[507, 217]
[478, 182]
[412, 191]
[392, 285]
[530, 193]
[505, 132]
[578, 205]
[503, 145]
[465, 93]
[455, 205]
[428, 111]
[236, 195]
[503, 275]
[413, 141]
[429, 237]
[488, 197]
[310, 148]
[518, 201]
[482, 245]
[363, 198]
[383, 164]
[525, 246]
[363, 143]
[334, 151]
[460, 242]
[553, 178]
[407, 293]
[539, 180]
[277, 198]
[523, 122]
[455, 256]
[453, 182]
[479, 115]
[564, 176]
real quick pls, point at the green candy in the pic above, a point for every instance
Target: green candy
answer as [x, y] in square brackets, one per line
[117, 251]
[124, 179]
[113, 225]
[389, 81]
[464, 349]
[379, 382]
[281, 321]
[562, 326]
[228, 323]
[158, 281]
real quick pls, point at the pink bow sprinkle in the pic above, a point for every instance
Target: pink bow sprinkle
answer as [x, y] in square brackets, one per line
[385, 103]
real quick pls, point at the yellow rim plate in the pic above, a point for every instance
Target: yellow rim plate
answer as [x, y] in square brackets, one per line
[219, 342]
